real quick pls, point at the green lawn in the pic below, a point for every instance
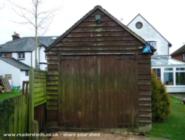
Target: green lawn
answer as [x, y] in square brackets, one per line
[174, 127]
[4, 96]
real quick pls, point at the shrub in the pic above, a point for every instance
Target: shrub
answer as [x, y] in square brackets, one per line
[160, 100]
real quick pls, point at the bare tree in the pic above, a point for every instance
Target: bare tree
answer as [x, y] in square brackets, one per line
[35, 17]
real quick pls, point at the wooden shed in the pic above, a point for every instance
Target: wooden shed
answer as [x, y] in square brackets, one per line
[98, 76]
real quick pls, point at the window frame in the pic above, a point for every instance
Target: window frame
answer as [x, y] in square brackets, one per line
[139, 25]
[179, 70]
[153, 45]
[22, 54]
[27, 73]
[169, 70]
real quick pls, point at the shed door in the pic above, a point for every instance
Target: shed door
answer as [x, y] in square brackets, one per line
[98, 91]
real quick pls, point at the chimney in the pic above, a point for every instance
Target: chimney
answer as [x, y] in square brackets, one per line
[15, 36]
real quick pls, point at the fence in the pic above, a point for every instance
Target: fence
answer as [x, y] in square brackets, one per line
[26, 112]
[14, 115]
[38, 98]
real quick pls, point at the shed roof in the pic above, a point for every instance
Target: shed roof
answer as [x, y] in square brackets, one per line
[16, 63]
[98, 7]
[25, 44]
[179, 51]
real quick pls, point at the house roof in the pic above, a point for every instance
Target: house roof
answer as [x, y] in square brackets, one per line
[169, 44]
[16, 63]
[166, 61]
[179, 51]
[25, 44]
[98, 7]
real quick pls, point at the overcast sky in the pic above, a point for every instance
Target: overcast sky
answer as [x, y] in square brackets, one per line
[167, 16]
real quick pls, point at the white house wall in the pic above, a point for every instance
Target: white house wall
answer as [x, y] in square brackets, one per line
[30, 58]
[42, 55]
[43, 59]
[27, 59]
[17, 75]
[33, 58]
[23, 77]
[15, 55]
[148, 33]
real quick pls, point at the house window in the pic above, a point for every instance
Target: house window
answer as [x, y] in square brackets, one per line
[157, 71]
[152, 43]
[27, 73]
[168, 76]
[21, 55]
[98, 19]
[180, 76]
[139, 25]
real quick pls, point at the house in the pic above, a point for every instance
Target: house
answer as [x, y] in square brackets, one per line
[104, 75]
[179, 54]
[169, 70]
[14, 70]
[21, 51]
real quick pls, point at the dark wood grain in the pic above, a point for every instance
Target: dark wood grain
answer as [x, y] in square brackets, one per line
[99, 91]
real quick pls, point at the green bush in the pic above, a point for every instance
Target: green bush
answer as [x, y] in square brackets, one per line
[160, 100]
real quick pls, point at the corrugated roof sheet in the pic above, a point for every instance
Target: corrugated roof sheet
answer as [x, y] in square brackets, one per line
[165, 61]
[15, 63]
[25, 44]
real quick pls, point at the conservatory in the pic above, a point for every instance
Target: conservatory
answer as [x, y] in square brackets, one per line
[171, 72]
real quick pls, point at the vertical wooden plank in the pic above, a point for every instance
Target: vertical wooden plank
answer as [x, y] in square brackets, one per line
[113, 97]
[31, 104]
[104, 85]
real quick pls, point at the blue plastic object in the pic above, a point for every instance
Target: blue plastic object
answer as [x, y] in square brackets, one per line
[148, 49]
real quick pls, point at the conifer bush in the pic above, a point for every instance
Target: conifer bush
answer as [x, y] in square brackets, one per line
[160, 100]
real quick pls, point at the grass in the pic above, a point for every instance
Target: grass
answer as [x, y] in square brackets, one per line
[174, 127]
[5, 96]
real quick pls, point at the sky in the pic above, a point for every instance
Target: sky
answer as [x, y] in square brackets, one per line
[167, 16]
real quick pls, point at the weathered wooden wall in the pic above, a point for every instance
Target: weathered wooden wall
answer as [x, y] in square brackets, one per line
[98, 91]
[144, 117]
[87, 38]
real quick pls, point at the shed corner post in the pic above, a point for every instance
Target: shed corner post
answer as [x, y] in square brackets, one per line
[59, 87]
[144, 119]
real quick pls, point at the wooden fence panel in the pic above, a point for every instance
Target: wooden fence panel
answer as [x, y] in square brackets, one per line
[38, 99]
[26, 112]
[38, 81]
[14, 113]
